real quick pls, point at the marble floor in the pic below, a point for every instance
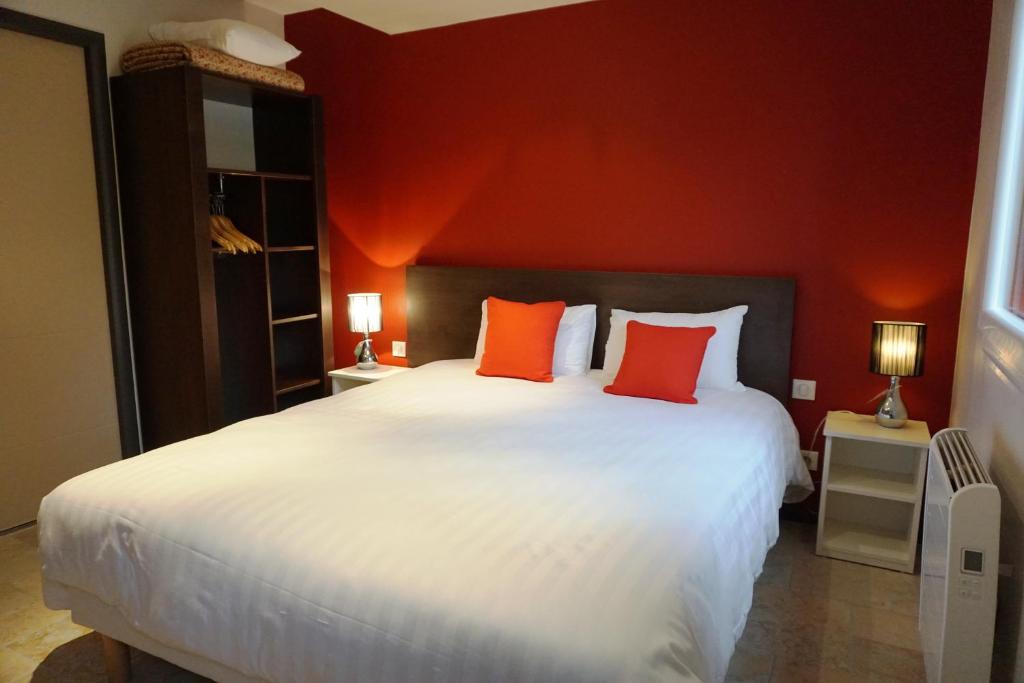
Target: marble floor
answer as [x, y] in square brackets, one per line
[813, 619]
[816, 619]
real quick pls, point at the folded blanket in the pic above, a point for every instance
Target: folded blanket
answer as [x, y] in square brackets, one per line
[162, 55]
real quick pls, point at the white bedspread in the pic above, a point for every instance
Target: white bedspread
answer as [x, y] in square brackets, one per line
[443, 527]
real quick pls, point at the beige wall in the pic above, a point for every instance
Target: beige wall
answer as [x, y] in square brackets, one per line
[988, 396]
[124, 22]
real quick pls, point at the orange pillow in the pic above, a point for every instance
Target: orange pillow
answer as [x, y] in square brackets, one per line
[520, 339]
[661, 362]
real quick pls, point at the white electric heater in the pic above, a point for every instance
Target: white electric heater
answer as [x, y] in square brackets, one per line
[959, 563]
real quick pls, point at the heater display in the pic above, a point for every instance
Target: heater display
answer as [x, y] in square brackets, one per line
[973, 562]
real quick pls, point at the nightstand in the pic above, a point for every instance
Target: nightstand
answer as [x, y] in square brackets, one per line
[351, 377]
[871, 488]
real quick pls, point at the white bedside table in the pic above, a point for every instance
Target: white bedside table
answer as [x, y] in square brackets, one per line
[871, 488]
[351, 377]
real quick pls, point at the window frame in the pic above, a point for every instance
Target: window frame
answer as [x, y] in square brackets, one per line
[1006, 232]
[1015, 300]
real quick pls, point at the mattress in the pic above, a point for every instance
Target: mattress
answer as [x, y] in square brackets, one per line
[441, 526]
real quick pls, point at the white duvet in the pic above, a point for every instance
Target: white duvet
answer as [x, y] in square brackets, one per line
[443, 527]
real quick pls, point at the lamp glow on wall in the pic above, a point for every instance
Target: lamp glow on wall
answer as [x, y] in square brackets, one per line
[897, 350]
[364, 316]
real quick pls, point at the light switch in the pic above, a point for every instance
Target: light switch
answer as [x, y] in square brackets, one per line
[398, 349]
[804, 389]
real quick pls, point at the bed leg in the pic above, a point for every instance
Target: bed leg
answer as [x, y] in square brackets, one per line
[118, 660]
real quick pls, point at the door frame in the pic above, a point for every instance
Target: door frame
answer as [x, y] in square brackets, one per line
[93, 46]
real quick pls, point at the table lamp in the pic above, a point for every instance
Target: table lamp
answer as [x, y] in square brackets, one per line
[364, 315]
[897, 350]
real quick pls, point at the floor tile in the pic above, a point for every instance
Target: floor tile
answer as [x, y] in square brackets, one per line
[747, 667]
[884, 626]
[895, 591]
[834, 621]
[32, 618]
[810, 673]
[37, 643]
[13, 599]
[14, 668]
[889, 662]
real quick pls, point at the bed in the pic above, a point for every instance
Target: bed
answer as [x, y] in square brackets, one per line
[439, 526]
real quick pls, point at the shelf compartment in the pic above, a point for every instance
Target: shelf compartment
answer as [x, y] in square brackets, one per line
[291, 213]
[852, 539]
[294, 284]
[863, 481]
[886, 465]
[244, 339]
[287, 385]
[298, 396]
[297, 359]
[251, 128]
[866, 529]
[242, 204]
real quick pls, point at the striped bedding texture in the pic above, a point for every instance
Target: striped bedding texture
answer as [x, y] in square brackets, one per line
[442, 527]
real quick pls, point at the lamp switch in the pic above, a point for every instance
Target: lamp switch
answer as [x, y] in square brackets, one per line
[398, 349]
[804, 389]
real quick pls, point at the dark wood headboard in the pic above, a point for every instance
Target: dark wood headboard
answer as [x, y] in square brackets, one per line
[444, 309]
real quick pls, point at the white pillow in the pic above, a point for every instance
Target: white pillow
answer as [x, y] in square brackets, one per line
[574, 341]
[719, 368]
[236, 38]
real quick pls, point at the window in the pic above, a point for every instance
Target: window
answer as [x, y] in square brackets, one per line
[1002, 264]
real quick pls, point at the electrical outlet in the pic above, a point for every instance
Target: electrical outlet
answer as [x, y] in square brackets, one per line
[804, 389]
[398, 349]
[810, 459]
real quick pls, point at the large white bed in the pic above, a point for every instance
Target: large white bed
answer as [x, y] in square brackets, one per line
[438, 526]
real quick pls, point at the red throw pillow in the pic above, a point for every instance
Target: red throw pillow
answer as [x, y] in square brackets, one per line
[661, 362]
[520, 339]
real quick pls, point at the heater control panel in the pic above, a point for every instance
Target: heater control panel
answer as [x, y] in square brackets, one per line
[972, 561]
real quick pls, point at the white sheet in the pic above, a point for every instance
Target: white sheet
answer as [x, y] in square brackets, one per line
[444, 527]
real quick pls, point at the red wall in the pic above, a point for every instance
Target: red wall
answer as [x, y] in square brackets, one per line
[832, 142]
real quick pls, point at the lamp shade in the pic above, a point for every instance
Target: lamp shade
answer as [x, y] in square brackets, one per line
[897, 348]
[364, 312]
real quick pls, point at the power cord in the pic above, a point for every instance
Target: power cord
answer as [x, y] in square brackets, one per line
[817, 430]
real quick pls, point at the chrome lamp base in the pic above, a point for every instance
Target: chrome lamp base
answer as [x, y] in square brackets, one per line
[891, 412]
[366, 357]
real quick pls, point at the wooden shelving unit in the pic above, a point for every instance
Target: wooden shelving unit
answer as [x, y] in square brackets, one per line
[222, 337]
[872, 483]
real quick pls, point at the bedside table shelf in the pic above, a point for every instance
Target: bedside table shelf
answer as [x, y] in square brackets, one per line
[871, 488]
[865, 481]
[853, 540]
